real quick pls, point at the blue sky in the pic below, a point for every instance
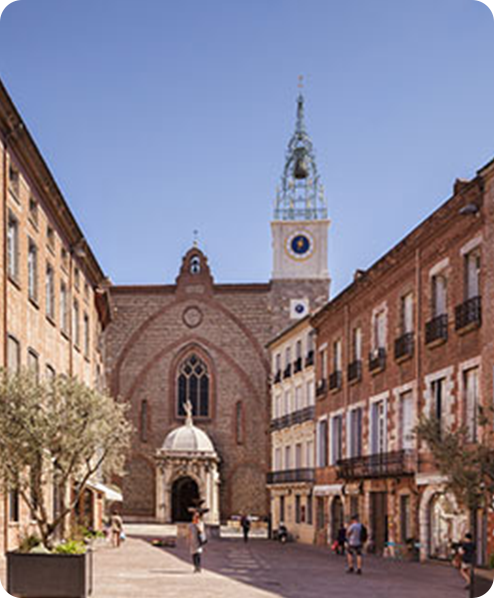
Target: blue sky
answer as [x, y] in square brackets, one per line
[160, 117]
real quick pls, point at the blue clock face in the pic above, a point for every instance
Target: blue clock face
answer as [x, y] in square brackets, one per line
[300, 244]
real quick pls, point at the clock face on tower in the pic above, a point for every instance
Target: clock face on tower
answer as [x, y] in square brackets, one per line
[300, 245]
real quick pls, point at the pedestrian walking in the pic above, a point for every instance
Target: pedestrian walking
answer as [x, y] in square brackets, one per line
[196, 541]
[341, 539]
[116, 526]
[467, 554]
[245, 523]
[356, 537]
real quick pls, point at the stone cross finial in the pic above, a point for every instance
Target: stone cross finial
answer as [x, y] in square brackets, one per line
[188, 413]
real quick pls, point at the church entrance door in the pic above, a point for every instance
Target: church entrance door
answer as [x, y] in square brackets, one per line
[185, 495]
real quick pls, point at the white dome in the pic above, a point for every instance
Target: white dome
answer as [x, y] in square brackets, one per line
[188, 439]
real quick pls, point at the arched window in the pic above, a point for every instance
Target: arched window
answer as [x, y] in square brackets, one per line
[193, 385]
[195, 264]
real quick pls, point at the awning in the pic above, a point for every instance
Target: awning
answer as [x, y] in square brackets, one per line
[111, 493]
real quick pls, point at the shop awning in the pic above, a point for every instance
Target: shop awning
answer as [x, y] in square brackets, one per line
[111, 493]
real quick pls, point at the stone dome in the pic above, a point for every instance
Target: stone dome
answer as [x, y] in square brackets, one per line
[188, 439]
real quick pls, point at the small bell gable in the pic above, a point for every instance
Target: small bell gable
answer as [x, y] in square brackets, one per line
[195, 275]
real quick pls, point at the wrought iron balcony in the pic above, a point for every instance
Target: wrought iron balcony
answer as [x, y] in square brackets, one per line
[404, 346]
[287, 371]
[468, 314]
[297, 365]
[293, 419]
[355, 371]
[291, 475]
[309, 360]
[277, 377]
[436, 330]
[377, 360]
[321, 387]
[335, 380]
[381, 465]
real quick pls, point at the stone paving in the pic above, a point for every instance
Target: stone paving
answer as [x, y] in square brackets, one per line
[259, 569]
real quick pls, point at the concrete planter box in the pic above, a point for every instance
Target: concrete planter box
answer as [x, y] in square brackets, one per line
[49, 575]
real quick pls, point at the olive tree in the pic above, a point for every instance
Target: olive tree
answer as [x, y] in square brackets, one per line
[61, 433]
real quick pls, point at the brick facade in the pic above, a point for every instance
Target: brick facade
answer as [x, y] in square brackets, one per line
[154, 329]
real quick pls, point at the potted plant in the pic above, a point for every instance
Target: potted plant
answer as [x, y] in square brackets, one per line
[54, 438]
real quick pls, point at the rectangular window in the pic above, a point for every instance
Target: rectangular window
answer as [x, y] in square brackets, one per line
[355, 433]
[298, 456]
[298, 509]
[76, 333]
[13, 247]
[357, 344]
[64, 308]
[472, 274]
[311, 396]
[298, 398]
[282, 509]
[33, 363]
[322, 443]
[50, 292]
[309, 457]
[439, 295]
[378, 419]
[288, 457]
[298, 350]
[437, 389]
[405, 518]
[277, 364]
[32, 271]
[337, 356]
[323, 364]
[13, 354]
[64, 257]
[336, 439]
[33, 211]
[77, 278]
[407, 313]
[380, 330]
[406, 420]
[14, 181]
[277, 459]
[87, 328]
[310, 502]
[471, 402]
[320, 512]
[50, 238]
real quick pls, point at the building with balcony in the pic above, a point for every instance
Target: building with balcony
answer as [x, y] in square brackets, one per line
[291, 474]
[412, 335]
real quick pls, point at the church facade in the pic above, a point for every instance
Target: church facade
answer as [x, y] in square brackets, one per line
[204, 342]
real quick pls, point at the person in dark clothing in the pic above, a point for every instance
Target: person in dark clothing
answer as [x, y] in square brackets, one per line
[245, 523]
[467, 552]
[341, 539]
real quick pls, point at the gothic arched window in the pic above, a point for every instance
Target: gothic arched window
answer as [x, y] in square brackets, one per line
[193, 385]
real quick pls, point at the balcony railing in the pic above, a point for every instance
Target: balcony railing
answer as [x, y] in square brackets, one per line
[297, 365]
[468, 314]
[292, 419]
[287, 371]
[277, 377]
[291, 475]
[335, 380]
[436, 330]
[404, 346]
[382, 465]
[309, 360]
[355, 371]
[377, 360]
[321, 387]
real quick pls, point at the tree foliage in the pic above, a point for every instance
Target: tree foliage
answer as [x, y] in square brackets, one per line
[468, 466]
[57, 433]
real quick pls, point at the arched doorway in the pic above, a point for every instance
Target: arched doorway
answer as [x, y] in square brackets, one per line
[446, 525]
[337, 517]
[185, 494]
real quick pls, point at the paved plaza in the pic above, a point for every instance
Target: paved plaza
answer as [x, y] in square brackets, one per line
[260, 569]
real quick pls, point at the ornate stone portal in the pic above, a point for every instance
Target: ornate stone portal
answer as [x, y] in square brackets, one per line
[187, 471]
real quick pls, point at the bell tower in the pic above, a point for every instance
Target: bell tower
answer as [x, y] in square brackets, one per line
[300, 226]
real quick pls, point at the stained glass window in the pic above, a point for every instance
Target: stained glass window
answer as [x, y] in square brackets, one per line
[193, 385]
